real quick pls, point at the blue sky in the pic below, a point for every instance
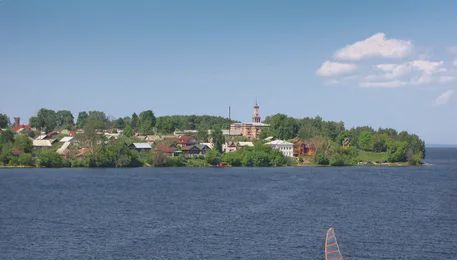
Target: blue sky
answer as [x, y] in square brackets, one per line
[383, 64]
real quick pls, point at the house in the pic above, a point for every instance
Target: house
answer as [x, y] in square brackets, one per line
[234, 146]
[229, 147]
[284, 147]
[234, 132]
[252, 129]
[210, 145]
[63, 150]
[141, 146]
[66, 139]
[204, 148]
[42, 143]
[83, 152]
[191, 151]
[245, 144]
[185, 132]
[302, 148]
[18, 127]
[185, 140]
[165, 149]
[112, 136]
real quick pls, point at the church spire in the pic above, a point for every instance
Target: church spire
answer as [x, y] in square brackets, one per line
[256, 113]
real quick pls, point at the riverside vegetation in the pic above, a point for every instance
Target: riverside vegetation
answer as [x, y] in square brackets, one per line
[335, 145]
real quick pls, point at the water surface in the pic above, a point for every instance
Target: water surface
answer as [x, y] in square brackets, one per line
[237, 213]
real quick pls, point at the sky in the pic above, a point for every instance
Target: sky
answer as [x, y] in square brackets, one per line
[377, 63]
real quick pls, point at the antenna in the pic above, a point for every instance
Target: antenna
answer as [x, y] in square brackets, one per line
[230, 120]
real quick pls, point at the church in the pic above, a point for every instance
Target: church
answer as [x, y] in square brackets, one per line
[252, 129]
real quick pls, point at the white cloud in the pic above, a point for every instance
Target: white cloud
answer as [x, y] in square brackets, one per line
[330, 69]
[375, 46]
[455, 62]
[416, 72]
[444, 98]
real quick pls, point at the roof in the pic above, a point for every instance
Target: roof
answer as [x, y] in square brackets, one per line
[279, 142]
[164, 148]
[40, 137]
[210, 145]
[185, 139]
[66, 139]
[64, 148]
[142, 146]
[249, 124]
[245, 144]
[42, 143]
[190, 147]
[231, 132]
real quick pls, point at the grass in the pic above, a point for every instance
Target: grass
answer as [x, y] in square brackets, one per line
[365, 156]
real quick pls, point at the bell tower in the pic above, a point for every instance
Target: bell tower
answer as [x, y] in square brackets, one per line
[256, 113]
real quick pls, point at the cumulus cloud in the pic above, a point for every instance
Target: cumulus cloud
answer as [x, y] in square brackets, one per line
[416, 72]
[377, 73]
[331, 68]
[444, 98]
[375, 46]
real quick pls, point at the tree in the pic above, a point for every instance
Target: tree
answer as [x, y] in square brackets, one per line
[365, 140]
[135, 121]
[397, 151]
[213, 157]
[23, 144]
[218, 139]
[46, 120]
[49, 159]
[119, 123]
[81, 121]
[202, 135]
[147, 121]
[6, 137]
[65, 119]
[4, 121]
[128, 131]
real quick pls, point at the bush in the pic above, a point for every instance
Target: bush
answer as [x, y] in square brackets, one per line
[25, 159]
[213, 157]
[176, 161]
[396, 151]
[320, 158]
[50, 159]
[232, 159]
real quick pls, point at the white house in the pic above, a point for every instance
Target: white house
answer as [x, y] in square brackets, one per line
[285, 147]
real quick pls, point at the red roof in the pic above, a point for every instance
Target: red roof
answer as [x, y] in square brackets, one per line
[186, 140]
[165, 149]
[16, 128]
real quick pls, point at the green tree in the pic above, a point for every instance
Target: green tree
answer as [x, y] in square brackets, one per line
[135, 121]
[25, 159]
[82, 117]
[218, 139]
[147, 121]
[4, 121]
[128, 131]
[202, 135]
[365, 140]
[23, 144]
[233, 158]
[49, 159]
[397, 151]
[213, 157]
[6, 137]
[46, 120]
[65, 119]
[119, 123]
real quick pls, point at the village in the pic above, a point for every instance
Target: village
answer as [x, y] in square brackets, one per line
[186, 143]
